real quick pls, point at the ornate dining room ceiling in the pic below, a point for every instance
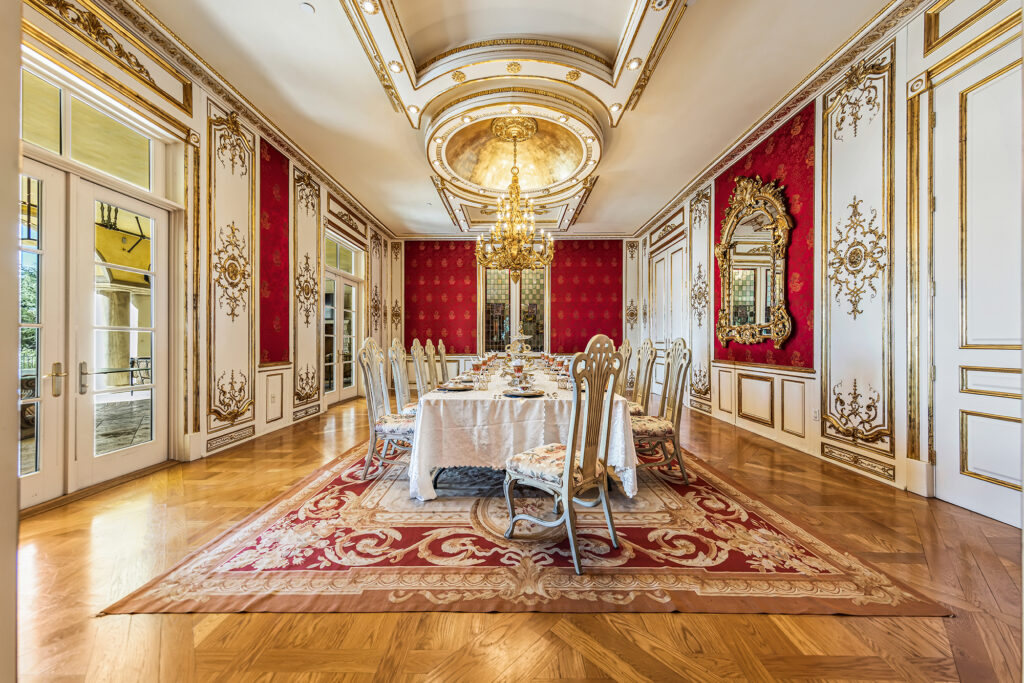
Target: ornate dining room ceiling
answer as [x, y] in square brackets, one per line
[632, 97]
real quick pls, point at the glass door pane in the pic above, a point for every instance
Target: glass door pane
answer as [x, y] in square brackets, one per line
[31, 328]
[348, 335]
[122, 359]
[330, 338]
[531, 307]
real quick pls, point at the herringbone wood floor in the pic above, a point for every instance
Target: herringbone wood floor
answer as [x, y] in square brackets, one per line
[77, 559]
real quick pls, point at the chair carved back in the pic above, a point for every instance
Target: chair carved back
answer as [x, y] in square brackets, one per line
[371, 365]
[399, 373]
[431, 355]
[677, 366]
[419, 366]
[595, 372]
[626, 351]
[644, 373]
[442, 360]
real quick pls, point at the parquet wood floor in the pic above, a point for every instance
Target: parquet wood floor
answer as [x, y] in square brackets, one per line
[77, 559]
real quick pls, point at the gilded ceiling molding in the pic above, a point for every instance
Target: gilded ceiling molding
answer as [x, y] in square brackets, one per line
[516, 42]
[834, 65]
[150, 27]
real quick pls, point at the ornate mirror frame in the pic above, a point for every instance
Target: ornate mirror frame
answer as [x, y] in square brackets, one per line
[749, 196]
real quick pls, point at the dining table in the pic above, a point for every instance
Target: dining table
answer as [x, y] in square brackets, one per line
[484, 427]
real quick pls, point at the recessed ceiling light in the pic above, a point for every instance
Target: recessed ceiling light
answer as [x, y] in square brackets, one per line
[514, 110]
[563, 118]
[308, 8]
[634, 63]
[616, 107]
[591, 162]
[590, 138]
[413, 109]
[395, 67]
[369, 6]
[439, 140]
[467, 119]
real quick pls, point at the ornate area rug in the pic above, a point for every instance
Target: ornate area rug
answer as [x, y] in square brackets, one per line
[335, 543]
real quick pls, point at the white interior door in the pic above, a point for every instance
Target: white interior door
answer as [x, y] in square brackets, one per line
[340, 330]
[42, 382]
[977, 242]
[118, 333]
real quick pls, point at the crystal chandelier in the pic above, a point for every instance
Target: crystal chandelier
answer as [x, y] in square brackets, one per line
[513, 243]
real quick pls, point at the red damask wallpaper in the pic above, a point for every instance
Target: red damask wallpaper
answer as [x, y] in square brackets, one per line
[274, 274]
[586, 293]
[440, 293]
[787, 155]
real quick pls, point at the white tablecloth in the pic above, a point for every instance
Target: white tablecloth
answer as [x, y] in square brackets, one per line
[473, 428]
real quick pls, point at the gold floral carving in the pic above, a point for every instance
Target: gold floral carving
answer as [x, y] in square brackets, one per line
[573, 75]
[233, 399]
[513, 67]
[396, 314]
[700, 295]
[858, 98]
[857, 257]
[644, 313]
[396, 251]
[856, 414]
[376, 244]
[307, 192]
[87, 24]
[631, 314]
[375, 308]
[700, 207]
[458, 76]
[700, 384]
[231, 270]
[307, 385]
[307, 290]
[232, 143]
[631, 250]
[752, 196]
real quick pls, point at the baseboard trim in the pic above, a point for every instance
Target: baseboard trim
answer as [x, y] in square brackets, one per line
[95, 488]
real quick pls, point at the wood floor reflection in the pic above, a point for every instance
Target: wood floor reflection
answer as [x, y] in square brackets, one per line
[77, 559]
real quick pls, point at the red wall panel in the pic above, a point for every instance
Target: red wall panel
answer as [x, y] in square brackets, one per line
[275, 278]
[440, 293]
[586, 293]
[787, 155]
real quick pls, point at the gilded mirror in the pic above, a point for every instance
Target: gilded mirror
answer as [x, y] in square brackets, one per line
[752, 262]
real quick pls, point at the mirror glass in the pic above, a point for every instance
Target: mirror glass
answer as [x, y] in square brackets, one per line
[752, 268]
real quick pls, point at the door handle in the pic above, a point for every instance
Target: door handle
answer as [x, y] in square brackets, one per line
[57, 374]
[83, 377]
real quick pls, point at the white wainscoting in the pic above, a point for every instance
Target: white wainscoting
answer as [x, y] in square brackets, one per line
[770, 402]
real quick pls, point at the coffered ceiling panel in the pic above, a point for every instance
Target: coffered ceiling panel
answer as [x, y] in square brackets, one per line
[707, 70]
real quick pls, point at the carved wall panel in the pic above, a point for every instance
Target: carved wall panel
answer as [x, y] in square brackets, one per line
[701, 315]
[857, 222]
[231, 216]
[306, 243]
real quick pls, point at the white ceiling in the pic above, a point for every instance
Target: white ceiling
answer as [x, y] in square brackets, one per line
[728, 62]
[433, 26]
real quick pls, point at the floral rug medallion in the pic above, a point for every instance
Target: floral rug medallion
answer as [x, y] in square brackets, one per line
[335, 543]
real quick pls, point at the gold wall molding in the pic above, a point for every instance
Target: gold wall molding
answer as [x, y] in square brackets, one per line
[934, 38]
[396, 251]
[631, 249]
[516, 42]
[223, 440]
[375, 308]
[233, 145]
[305, 412]
[89, 26]
[396, 314]
[234, 397]
[307, 385]
[232, 270]
[856, 415]
[863, 463]
[965, 465]
[631, 313]
[307, 291]
[858, 92]
[770, 420]
[858, 256]
[700, 382]
[807, 89]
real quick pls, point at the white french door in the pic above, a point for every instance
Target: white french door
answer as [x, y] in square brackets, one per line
[340, 331]
[977, 242]
[93, 384]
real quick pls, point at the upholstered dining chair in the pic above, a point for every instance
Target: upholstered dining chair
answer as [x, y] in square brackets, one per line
[626, 351]
[644, 375]
[442, 362]
[431, 354]
[419, 366]
[653, 432]
[400, 377]
[568, 470]
[395, 430]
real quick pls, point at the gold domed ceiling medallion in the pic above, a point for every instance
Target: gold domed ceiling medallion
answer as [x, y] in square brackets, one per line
[514, 128]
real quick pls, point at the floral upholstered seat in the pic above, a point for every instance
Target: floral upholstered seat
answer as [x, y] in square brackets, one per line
[396, 425]
[410, 409]
[645, 425]
[636, 409]
[545, 463]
